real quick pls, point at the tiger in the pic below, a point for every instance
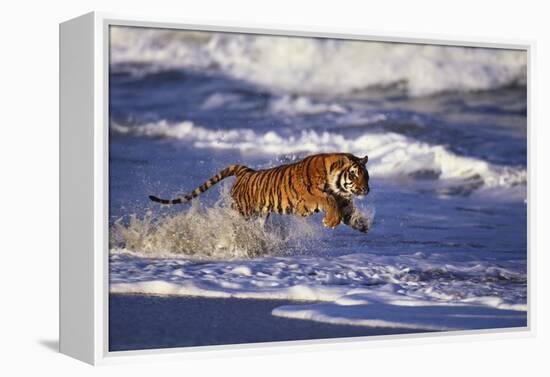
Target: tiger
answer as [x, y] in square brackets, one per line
[322, 182]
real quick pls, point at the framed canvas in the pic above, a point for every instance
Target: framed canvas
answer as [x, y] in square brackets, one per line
[225, 187]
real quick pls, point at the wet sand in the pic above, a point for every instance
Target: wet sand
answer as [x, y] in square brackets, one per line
[146, 322]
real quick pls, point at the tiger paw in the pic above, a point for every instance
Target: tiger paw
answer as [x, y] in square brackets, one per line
[362, 225]
[331, 222]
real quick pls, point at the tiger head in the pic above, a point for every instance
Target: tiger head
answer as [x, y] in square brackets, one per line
[352, 178]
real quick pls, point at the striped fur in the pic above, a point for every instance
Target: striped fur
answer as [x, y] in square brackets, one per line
[323, 182]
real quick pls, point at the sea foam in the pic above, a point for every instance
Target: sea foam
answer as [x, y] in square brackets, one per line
[408, 291]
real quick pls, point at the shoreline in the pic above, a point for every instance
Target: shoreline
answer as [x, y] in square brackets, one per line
[147, 322]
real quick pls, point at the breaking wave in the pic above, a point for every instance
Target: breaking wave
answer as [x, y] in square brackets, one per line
[390, 154]
[318, 65]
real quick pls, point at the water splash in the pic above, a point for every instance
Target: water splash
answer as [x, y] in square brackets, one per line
[216, 232]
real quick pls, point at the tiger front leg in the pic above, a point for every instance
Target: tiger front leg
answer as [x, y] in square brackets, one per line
[355, 219]
[333, 212]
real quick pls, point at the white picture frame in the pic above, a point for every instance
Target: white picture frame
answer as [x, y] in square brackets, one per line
[84, 188]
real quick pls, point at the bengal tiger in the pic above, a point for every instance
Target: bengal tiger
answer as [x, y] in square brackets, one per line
[322, 182]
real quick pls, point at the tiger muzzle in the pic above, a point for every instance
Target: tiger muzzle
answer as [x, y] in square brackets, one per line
[362, 191]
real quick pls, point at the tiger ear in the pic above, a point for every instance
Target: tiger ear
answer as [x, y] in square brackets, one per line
[364, 160]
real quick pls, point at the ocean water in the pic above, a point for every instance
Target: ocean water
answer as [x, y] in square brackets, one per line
[445, 131]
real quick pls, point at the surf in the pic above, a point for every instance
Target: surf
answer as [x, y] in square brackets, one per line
[417, 70]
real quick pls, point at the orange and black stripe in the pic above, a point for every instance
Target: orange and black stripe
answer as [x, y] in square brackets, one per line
[294, 188]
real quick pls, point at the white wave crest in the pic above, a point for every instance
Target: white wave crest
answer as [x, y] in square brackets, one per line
[285, 105]
[301, 105]
[390, 154]
[316, 65]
